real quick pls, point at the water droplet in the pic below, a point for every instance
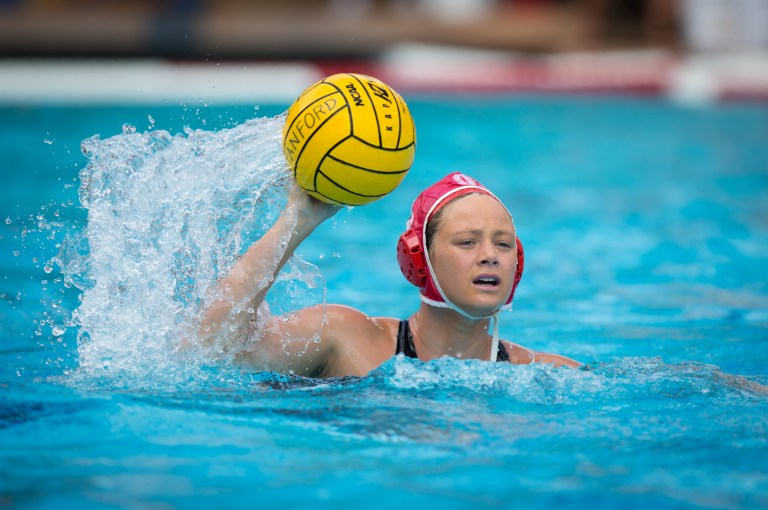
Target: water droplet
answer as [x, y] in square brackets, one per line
[47, 141]
[128, 129]
[58, 330]
[8, 220]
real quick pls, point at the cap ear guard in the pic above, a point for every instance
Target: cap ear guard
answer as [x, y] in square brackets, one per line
[520, 267]
[410, 257]
[413, 264]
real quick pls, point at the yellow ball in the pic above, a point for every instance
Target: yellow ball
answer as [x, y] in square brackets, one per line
[349, 139]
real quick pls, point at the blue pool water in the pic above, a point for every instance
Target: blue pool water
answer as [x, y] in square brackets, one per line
[645, 226]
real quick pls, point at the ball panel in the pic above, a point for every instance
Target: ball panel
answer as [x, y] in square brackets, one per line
[336, 193]
[317, 93]
[386, 104]
[365, 121]
[357, 181]
[320, 88]
[304, 122]
[306, 169]
[375, 109]
[372, 158]
[407, 133]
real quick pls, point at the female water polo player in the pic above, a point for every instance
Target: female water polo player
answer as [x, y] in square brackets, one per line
[460, 248]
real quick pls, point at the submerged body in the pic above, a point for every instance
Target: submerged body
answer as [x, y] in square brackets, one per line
[472, 254]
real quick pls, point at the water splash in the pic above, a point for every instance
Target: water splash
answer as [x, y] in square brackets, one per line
[536, 383]
[168, 215]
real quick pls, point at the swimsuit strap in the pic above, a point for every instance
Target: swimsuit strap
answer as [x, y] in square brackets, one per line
[405, 343]
[405, 340]
[502, 354]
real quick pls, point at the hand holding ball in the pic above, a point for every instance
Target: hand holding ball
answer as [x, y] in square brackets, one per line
[349, 139]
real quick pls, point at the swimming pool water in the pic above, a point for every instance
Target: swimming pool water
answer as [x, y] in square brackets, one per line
[645, 226]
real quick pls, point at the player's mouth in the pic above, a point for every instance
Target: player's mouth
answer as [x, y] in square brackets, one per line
[487, 280]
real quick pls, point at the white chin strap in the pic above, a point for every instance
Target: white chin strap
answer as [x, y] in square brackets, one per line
[495, 337]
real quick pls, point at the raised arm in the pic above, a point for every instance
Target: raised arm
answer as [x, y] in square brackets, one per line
[240, 293]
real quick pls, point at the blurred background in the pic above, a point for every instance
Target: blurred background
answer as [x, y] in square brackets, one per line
[694, 50]
[300, 29]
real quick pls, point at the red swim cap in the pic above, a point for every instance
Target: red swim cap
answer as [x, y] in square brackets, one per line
[412, 254]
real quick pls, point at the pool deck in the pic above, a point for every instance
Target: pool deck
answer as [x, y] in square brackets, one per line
[411, 69]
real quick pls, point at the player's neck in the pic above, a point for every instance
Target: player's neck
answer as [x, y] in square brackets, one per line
[441, 332]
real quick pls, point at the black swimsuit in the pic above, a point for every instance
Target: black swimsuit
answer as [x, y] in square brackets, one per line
[405, 343]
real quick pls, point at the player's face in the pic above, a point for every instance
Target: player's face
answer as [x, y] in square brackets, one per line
[474, 254]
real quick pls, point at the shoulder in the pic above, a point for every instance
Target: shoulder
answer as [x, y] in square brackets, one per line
[332, 322]
[518, 354]
[354, 343]
[360, 342]
[345, 319]
[321, 341]
[349, 327]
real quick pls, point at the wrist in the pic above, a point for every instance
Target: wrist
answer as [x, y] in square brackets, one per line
[310, 211]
